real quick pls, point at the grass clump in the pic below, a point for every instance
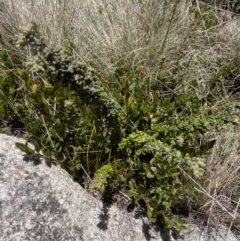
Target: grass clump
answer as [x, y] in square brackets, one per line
[146, 116]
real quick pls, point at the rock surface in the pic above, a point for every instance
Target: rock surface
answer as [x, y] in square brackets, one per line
[38, 202]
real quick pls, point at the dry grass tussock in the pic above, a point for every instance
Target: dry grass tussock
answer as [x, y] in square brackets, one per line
[221, 189]
[145, 38]
[149, 39]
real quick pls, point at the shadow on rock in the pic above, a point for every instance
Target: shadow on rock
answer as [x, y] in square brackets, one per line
[104, 217]
[35, 160]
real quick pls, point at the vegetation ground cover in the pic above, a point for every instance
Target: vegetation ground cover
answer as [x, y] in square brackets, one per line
[136, 96]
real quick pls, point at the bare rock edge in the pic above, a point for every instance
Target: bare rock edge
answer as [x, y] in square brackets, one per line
[38, 202]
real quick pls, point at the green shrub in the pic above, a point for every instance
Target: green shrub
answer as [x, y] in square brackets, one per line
[69, 116]
[140, 140]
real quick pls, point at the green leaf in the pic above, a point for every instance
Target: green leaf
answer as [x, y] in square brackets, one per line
[47, 155]
[154, 203]
[131, 193]
[151, 216]
[35, 128]
[175, 174]
[36, 145]
[180, 224]
[24, 147]
[11, 90]
[149, 213]
[150, 175]
[167, 204]
[141, 189]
